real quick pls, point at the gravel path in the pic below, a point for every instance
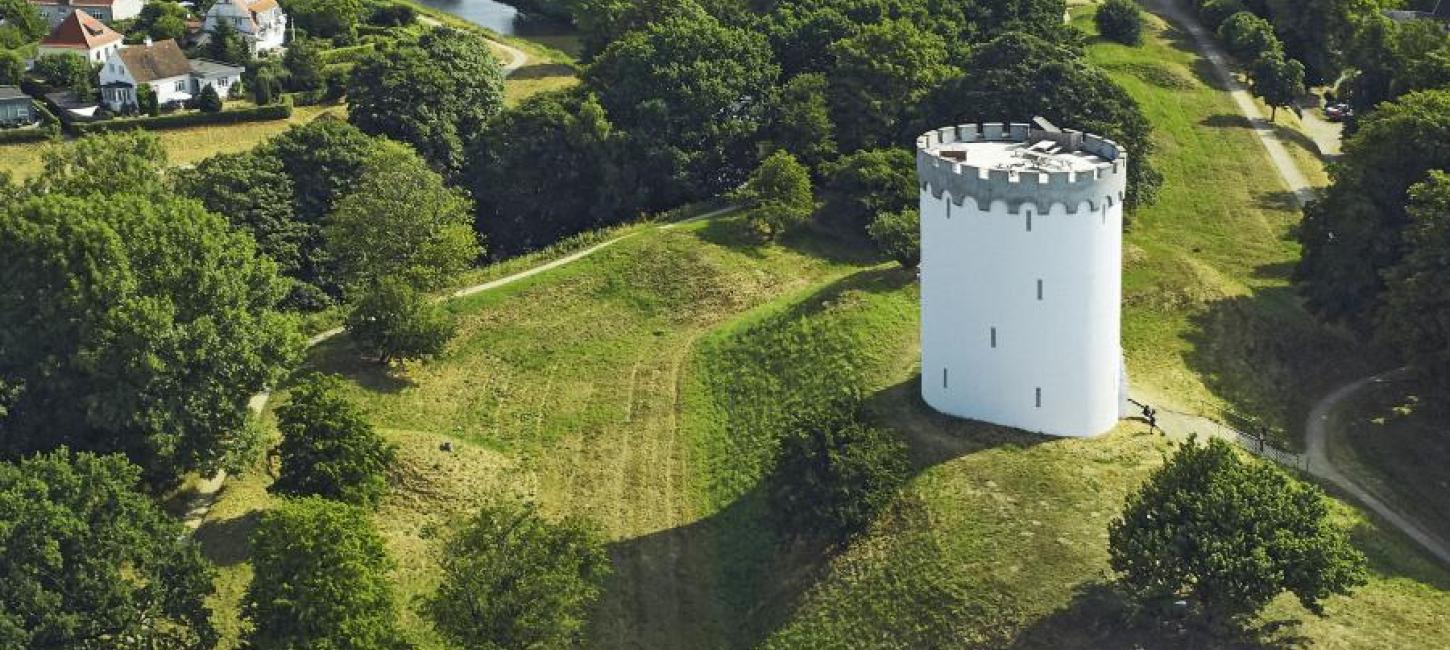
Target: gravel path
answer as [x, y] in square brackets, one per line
[517, 58]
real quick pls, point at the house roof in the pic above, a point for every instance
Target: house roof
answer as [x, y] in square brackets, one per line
[8, 93]
[75, 3]
[80, 31]
[208, 68]
[1442, 10]
[160, 60]
[260, 6]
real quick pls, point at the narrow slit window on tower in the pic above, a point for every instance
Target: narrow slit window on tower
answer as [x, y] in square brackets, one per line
[1029, 221]
[1039, 397]
[994, 337]
[949, 208]
[1039, 288]
[943, 377]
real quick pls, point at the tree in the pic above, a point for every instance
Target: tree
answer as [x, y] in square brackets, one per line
[693, 95]
[868, 183]
[91, 561]
[71, 71]
[1392, 59]
[898, 235]
[1017, 76]
[209, 101]
[304, 64]
[253, 191]
[800, 121]
[880, 77]
[265, 78]
[25, 19]
[1278, 81]
[146, 100]
[1121, 21]
[548, 169]
[393, 15]
[1415, 318]
[136, 323]
[161, 21]
[512, 579]
[1229, 536]
[326, 18]
[329, 449]
[224, 43]
[401, 221]
[833, 474]
[1248, 37]
[1354, 233]
[320, 580]
[393, 321]
[778, 195]
[437, 96]
[12, 68]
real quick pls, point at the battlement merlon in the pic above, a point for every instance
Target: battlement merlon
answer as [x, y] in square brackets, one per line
[1013, 166]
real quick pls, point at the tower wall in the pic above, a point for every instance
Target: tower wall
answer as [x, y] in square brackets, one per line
[1021, 287]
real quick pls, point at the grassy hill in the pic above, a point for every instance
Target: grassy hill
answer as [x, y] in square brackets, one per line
[644, 387]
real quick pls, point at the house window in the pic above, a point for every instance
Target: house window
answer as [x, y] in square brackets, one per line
[181, 86]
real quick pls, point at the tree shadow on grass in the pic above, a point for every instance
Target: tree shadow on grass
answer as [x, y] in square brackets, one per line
[1288, 136]
[227, 542]
[1202, 68]
[1099, 618]
[340, 357]
[734, 232]
[543, 71]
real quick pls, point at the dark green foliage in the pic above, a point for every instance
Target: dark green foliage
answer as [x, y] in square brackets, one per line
[23, 24]
[437, 96]
[1278, 81]
[182, 120]
[1121, 21]
[1355, 232]
[867, 183]
[209, 101]
[303, 62]
[227, 45]
[70, 71]
[393, 321]
[1214, 12]
[898, 235]
[778, 195]
[326, 18]
[254, 193]
[329, 448]
[1321, 33]
[512, 579]
[393, 14]
[1415, 318]
[160, 21]
[137, 322]
[1229, 536]
[1392, 59]
[800, 121]
[546, 170]
[321, 580]
[12, 68]
[1249, 37]
[1017, 76]
[90, 560]
[692, 94]
[400, 221]
[879, 79]
[601, 22]
[833, 474]
[146, 100]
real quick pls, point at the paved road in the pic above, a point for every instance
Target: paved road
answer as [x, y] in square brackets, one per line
[205, 495]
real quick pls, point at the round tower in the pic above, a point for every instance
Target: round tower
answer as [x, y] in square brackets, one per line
[1021, 276]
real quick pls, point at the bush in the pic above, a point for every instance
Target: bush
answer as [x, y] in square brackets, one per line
[1229, 536]
[329, 449]
[257, 114]
[898, 235]
[394, 321]
[1121, 21]
[514, 580]
[833, 474]
[209, 101]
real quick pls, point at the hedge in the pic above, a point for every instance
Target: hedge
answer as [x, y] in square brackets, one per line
[351, 54]
[280, 111]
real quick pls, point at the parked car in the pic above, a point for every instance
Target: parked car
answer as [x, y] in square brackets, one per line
[1338, 112]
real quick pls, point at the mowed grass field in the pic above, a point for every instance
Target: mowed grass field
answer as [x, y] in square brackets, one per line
[1211, 324]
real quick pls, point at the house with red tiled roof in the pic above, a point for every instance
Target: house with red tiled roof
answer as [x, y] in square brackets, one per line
[56, 11]
[82, 34]
[260, 22]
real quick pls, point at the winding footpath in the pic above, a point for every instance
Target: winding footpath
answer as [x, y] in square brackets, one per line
[208, 490]
[517, 58]
[1321, 424]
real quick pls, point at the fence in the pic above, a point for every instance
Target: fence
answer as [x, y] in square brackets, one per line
[1254, 443]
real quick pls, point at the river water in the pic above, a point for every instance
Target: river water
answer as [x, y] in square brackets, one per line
[499, 17]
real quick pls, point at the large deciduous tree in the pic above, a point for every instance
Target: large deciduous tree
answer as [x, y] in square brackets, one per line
[692, 94]
[868, 183]
[320, 580]
[401, 221]
[512, 579]
[1278, 81]
[393, 321]
[878, 81]
[437, 95]
[92, 562]
[800, 121]
[329, 449]
[326, 18]
[134, 323]
[1415, 318]
[1229, 536]
[778, 195]
[1354, 233]
[1249, 37]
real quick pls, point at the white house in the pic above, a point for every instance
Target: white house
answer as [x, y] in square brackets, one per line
[82, 34]
[164, 68]
[260, 22]
[56, 11]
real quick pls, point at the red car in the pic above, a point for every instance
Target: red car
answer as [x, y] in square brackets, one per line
[1338, 112]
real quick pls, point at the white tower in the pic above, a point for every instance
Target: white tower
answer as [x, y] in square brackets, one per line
[1021, 276]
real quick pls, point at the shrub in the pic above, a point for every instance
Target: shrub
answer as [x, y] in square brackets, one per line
[1121, 21]
[779, 195]
[394, 321]
[1229, 536]
[257, 114]
[329, 449]
[511, 579]
[898, 235]
[833, 474]
[209, 101]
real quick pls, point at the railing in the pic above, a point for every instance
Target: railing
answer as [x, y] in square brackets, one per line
[1254, 443]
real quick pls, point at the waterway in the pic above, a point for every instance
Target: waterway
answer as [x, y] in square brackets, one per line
[507, 20]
